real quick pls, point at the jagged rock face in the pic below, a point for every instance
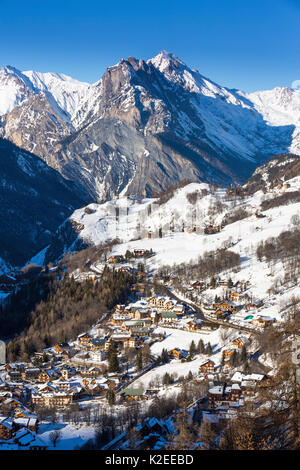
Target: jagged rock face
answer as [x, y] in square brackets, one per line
[34, 200]
[28, 125]
[146, 125]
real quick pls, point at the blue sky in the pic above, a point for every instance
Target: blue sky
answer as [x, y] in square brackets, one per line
[245, 44]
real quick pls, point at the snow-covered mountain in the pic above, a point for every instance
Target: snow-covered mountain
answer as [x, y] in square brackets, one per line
[145, 125]
[64, 93]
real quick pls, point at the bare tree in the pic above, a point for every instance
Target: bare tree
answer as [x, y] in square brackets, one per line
[55, 436]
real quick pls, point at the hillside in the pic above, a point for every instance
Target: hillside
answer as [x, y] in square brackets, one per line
[184, 222]
[35, 200]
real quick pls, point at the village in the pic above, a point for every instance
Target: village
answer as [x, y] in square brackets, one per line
[135, 353]
[181, 331]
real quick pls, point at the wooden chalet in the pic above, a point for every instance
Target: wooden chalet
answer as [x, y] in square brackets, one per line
[60, 347]
[208, 367]
[84, 339]
[222, 395]
[234, 296]
[131, 394]
[240, 342]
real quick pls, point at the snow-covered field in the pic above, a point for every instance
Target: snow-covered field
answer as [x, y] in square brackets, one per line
[70, 435]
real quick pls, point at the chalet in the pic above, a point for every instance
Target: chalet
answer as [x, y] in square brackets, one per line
[116, 259]
[262, 322]
[107, 345]
[179, 309]
[194, 325]
[234, 296]
[196, 284]
[140, 314]
[227, 353]
[125, 269]
[59, 347]
[250, 305]
[168, 317]
[177, 353]
[46, 376]
[22, 412]
[211, 229]
[91, 372]
[222, 395]
[98, 344]
[120, 308]
[142, 276]
[55, 399]
[65, 373]
[139, 253]
[97, 355]
[118, 318]
[240, 342]
[130, 343]
[209, 325]
[169, 305]
[15, 375]
[208, 367]
[140, 332]
[148, 235]
[129, 324]
[225, 305]
[286, 185]
[94, 389]
[131, 394]
[84, 339]
[220, 313]
[250, 382]
[31, 374]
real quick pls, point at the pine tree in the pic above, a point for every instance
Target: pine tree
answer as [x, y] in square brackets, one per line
[167, 379]
[243, 354]
[112, 357]
[139, 361]
[111, 396]
[190, 375]
[201, 347]
[192, 350]
[208, 349]
[164, 356]
[233, 359]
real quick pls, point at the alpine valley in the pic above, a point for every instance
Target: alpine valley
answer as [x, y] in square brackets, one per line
[149, 262]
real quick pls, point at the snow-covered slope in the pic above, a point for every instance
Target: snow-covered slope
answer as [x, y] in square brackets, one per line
[66, 91]
[131, 220]
[63, 92]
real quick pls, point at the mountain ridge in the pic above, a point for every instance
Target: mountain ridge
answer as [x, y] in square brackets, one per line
[147, 124]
